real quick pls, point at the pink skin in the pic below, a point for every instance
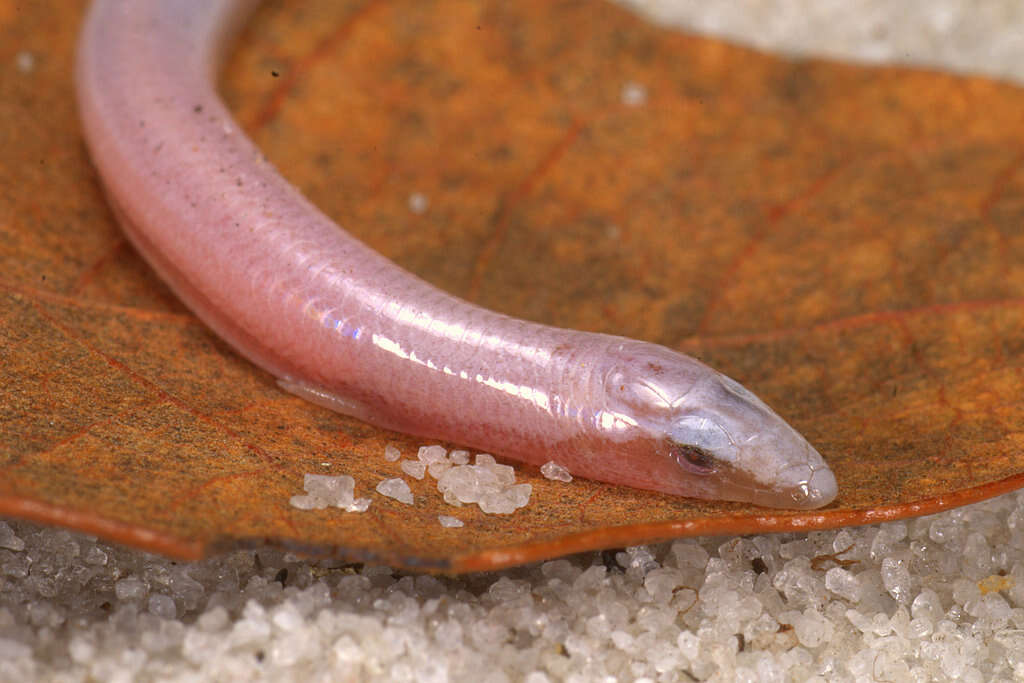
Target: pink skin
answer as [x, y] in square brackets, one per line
[342, 326]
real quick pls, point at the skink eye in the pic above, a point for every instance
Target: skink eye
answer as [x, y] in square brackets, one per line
[693, 459]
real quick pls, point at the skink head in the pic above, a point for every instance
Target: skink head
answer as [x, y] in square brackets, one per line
[724, 432]
[704, 435]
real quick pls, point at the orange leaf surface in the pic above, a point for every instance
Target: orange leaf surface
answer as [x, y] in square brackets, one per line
[846, 241]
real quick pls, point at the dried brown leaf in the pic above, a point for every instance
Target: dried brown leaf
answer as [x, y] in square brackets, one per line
[847, 241]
